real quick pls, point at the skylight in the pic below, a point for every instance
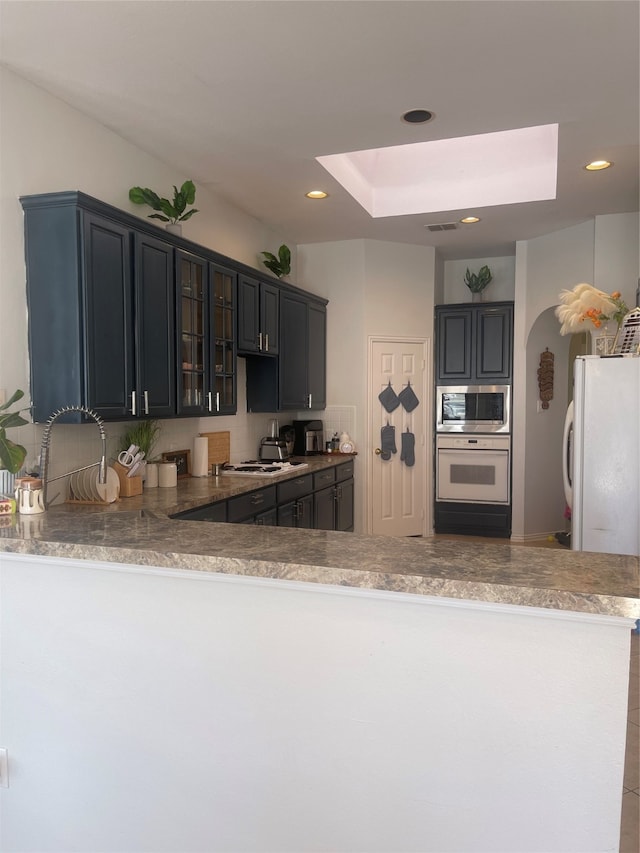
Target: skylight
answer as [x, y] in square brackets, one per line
[507, 167]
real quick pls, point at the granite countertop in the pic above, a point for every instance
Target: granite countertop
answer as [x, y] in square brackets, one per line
[138, 531]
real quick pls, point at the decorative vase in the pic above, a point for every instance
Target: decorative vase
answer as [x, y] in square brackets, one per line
[476, 296]
[602, 339]
[174, 228]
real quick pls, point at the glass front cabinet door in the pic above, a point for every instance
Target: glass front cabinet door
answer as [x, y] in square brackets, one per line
[192, 285]
[206, 323]
[222, 284]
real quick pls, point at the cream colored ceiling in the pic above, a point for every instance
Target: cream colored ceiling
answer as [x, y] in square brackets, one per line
[243, 96]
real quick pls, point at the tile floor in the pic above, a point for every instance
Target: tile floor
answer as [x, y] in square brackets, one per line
[630, 823]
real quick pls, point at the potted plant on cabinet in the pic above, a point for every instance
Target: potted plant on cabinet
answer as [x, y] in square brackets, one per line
[172, 212]
[279, 265]
[476, 282]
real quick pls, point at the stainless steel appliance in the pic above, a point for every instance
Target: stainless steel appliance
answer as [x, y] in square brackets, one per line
[308, 437]
[473, 408]
[473, 469]
[273, 450]
[288, 434]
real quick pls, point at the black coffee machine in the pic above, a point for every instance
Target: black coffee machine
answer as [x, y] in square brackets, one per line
[308, 437]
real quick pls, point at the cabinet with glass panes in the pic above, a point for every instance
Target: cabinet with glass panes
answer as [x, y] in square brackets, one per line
[223, 285]
[192, 284]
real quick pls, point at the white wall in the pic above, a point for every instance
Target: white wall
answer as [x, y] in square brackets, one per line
[47, 146]
[501, 287]
[183, 711]
[605, 252]
[374, 288]
[617, 254]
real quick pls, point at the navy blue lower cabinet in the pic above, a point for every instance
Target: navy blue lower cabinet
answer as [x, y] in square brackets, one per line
[212, 512]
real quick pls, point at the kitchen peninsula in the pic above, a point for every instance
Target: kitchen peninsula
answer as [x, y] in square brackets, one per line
[258, 688]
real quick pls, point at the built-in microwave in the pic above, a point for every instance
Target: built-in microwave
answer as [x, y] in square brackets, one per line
[473, 408]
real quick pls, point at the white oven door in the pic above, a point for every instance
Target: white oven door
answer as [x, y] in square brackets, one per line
[473, 476]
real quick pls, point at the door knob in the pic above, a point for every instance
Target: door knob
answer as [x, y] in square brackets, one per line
[377, 451]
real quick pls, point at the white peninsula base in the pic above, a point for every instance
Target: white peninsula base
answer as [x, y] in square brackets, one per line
[155, 710]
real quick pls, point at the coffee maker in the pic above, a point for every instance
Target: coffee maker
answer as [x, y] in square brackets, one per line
[308, 437]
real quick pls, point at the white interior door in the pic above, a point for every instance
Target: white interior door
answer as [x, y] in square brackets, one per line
[398, 498]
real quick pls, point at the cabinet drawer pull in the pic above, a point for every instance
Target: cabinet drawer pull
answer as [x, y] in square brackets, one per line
[260, 341]
[146, 402]
[266, 342]
[133, 403]
[256, 500]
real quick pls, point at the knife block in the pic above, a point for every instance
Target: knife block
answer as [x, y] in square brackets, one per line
[129, 486]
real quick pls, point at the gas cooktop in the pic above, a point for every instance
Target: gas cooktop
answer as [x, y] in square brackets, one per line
[252, 468]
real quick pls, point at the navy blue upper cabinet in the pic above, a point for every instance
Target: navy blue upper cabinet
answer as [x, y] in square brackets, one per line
[132, 321]
[474, 343]
[258, 316]
[302, 376]
[154, 327]
[205, 304]
[101, 311]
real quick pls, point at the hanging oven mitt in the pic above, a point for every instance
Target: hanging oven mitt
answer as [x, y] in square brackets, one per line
[408, 455]
[408, 398]
[389, 399]
[387, 442]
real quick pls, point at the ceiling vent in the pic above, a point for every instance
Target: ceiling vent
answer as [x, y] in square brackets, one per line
[443, 226]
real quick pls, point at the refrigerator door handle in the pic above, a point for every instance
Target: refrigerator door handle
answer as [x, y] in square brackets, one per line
[566, 456]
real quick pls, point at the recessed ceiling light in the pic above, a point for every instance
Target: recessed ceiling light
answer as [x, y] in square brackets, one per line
[417, 116]
[316, 194]
[468, 220]
[597, 165]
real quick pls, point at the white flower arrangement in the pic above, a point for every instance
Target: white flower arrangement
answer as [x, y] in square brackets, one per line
[586, 302]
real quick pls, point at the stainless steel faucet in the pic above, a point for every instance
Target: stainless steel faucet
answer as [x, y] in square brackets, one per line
[46, 443]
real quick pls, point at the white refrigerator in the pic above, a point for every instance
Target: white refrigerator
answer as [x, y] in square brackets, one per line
[601, 455]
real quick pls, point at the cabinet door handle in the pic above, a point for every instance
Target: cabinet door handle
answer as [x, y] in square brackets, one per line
[217, 401]
[309, 402]
[209, 401]
[266, 342]
[133, 403]
[146, 402]
[256, 500]
[260, 341]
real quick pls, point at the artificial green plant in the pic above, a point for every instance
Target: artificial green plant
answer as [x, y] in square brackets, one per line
[171, 211]
[476, 282]
[280, 265]
[12, 455]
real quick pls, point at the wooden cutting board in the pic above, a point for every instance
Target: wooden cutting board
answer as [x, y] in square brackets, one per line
[219, 446]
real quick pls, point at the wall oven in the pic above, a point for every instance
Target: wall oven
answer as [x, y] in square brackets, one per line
[473, 469]
[473, 408]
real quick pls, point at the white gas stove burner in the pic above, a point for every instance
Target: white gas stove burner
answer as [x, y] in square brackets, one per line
[263, 469]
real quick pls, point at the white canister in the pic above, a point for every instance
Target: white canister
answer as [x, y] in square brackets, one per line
[167, 475]
[151, 479]
[28, 495]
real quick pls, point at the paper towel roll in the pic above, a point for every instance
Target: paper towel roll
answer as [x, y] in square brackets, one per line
[200, 467]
